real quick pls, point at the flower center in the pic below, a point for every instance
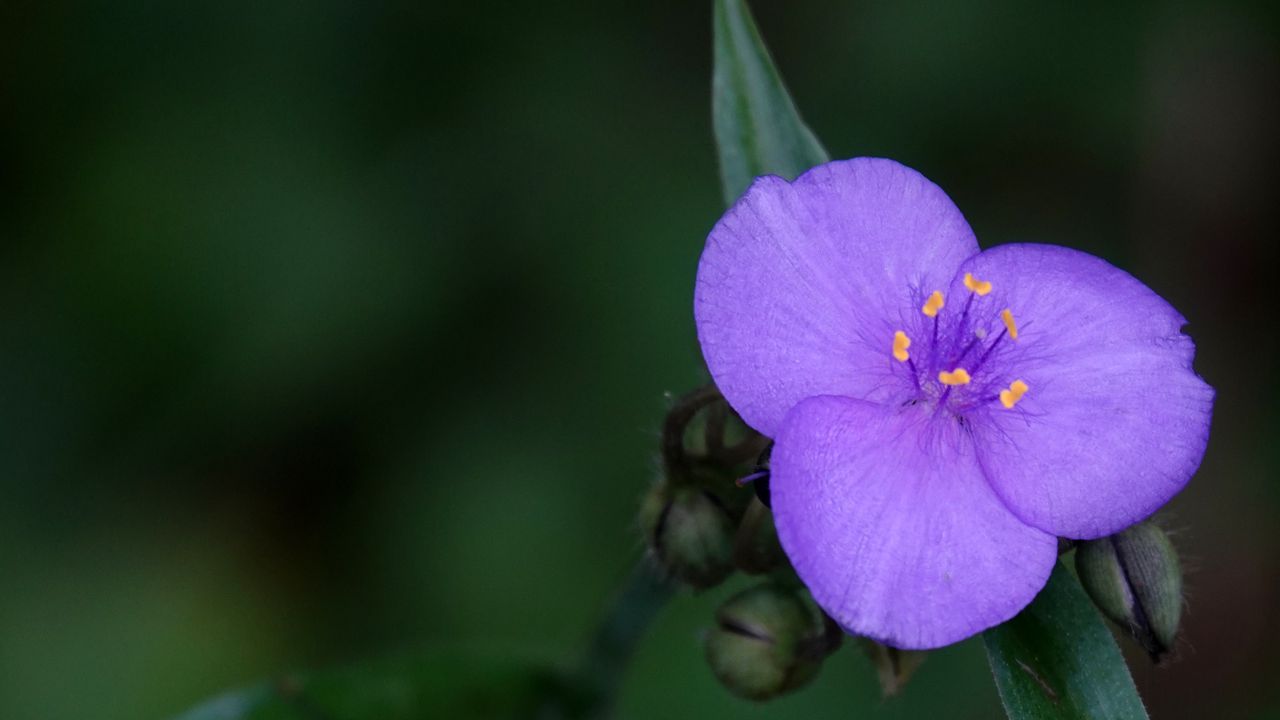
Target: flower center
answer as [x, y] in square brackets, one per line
[946, 361]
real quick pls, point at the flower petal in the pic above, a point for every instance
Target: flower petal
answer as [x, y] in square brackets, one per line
[888, 520]
[1115, 421]
[800, 283]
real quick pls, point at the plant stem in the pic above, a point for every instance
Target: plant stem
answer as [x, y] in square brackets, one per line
[600, 672]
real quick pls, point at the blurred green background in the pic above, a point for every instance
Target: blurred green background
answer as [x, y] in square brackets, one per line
[333, 329]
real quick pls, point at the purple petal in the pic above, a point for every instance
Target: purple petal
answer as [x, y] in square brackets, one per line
[888, 520]
[1115, 421]
[800, 282]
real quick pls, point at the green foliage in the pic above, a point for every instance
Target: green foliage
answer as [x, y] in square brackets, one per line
[457, 684]
[444, 685]
[1057, 661]
[758, 130]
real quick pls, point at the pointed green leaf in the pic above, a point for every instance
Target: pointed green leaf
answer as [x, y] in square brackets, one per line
[758, 129]
[1057, 661]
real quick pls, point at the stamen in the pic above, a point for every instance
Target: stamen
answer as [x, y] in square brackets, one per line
[990, 348]
[1010, 397]
[1007, 317]
[915, 374]
[959, 376]
[981, 287]
[933, 346]
[933, 304]
[900, 344]
[964, 317]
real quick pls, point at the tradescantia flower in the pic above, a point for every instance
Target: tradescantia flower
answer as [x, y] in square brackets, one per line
[940, 414]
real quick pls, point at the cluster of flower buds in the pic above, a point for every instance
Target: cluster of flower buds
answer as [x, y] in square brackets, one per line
[697, 520]
[707, 516]
[1135, 580]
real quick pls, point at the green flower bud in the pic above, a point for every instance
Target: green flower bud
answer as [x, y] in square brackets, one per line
[690, 534]
[756, 549]
[768, 640]
[1135, 580]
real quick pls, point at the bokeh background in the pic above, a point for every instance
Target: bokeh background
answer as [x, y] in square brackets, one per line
[336, 329]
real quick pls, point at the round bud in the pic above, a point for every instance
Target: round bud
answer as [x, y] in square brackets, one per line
[1135, 580]
[768, 640]
[690, 534]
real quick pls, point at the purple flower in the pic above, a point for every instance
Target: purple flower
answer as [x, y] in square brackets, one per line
[940, 414]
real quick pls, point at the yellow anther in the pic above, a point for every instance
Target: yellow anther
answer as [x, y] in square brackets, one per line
[900, 344]
[933, 304]
[981, 287]
[1007, 317]
[1010, 397]
[959, 376]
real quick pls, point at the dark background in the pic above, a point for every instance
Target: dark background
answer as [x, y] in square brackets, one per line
[331, 329]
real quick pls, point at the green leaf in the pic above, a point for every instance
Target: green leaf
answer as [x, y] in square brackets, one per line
[439, 685]
[758, 129]
[1056, 660]
[452, 684]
